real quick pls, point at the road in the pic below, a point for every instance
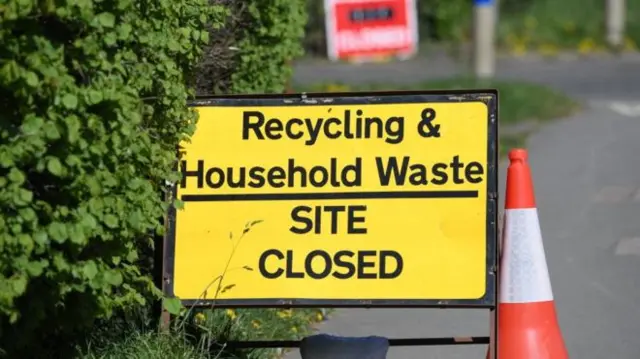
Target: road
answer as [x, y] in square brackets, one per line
[586, 171]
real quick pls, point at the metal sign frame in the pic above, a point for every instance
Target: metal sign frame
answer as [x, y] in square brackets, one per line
[487, 96]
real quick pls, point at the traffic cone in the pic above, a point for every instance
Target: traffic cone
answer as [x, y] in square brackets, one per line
[527, 320]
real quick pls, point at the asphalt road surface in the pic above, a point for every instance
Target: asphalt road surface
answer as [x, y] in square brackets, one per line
[586, 172]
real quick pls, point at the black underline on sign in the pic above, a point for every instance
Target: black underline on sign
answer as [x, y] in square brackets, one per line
[326, 196]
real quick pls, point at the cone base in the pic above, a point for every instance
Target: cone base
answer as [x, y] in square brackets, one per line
[529, 331]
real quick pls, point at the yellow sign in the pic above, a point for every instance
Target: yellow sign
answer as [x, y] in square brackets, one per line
[337, 200]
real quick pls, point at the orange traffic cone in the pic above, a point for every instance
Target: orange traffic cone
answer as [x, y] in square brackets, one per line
[527, 321]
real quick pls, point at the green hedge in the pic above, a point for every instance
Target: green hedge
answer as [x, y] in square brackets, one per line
[92, 105]
[93, 101]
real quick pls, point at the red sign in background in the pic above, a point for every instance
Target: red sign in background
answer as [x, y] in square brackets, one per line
[371, 28]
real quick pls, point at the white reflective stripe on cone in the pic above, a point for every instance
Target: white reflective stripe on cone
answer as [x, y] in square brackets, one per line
[524, 274]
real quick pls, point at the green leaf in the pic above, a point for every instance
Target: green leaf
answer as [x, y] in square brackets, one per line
[94, 186]
[27, 213]
[54, 166]
[19, 284]
[70, 101]
[111, 221]
[125, 129]
[89, 222]
[6, 159]
[58, 232]
[60, 262]
[124, 31]
[40, 237]
[135, 218]
[25, 195]
[172, 305]
[90, 269]
[32, 79]
[173, 45]
[110, 38]
[26, 242]
[96, 206]
[51, 131]
[73, 161]
[73, 128]
[16, 176]
[35, 269]
[132, 256]
[178, 204]
[113, 277]
[94, 97]
[10, 71]
[32, 124]
[106, 19]
[76, 235]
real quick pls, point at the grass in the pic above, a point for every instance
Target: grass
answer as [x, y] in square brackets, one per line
[200, 335]
[521, 104]
[146, 345]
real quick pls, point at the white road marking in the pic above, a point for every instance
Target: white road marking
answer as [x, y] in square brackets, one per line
[628, 246]
[629, 109]
[624, 108]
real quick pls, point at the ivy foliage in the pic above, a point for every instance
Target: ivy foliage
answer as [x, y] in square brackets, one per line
[92, 106]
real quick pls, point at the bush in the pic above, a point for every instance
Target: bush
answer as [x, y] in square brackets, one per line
[93, 98]
[93, 105]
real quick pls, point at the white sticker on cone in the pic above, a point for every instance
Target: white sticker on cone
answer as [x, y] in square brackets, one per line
[525, 276]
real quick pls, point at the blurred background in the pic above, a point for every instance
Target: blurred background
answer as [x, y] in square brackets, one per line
[545, 26]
